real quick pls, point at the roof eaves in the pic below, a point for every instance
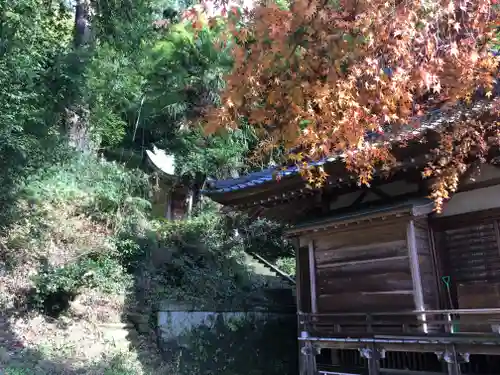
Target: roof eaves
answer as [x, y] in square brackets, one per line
[415, 207]
[432, 120]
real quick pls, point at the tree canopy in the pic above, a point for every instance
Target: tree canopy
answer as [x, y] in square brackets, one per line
[317, 76]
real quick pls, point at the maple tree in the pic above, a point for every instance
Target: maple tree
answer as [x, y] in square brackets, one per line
[317, 76]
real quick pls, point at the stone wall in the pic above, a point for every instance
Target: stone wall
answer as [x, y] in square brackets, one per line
[229, 343]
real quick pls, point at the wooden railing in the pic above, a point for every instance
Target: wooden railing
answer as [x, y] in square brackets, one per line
[429, 322]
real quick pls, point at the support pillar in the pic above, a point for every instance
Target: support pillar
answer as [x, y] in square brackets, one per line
[453, 359]
[373, 356]
[312, 277]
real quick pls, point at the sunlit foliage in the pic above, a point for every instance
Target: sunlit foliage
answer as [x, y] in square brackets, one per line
[316, 77]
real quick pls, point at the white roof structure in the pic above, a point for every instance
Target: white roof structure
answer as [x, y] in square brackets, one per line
[162, 161]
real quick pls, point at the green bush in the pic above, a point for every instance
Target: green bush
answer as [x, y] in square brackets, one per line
[261, 236]
[55, 287]
[206, 263]
[95, 214]
[106, 191]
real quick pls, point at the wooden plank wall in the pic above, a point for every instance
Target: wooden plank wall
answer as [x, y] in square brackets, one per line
[473, 259]
[430, 285]
[473, 253]
[470, 249]
[364, 269]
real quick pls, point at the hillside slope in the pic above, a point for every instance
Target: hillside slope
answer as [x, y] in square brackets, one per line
[83, 267]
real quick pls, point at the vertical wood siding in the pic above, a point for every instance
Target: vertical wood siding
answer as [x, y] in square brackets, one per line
[471, 253]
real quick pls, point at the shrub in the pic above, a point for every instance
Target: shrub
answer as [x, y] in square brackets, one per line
[84, 223]
[205, 263]
[55, 287]
[106, 191]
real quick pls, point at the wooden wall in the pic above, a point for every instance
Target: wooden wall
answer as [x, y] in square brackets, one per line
[470, 250]
[364, 268]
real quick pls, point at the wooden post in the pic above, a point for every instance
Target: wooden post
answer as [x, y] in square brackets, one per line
[298, 278]
[312, 277]
[454, 369]
[418, 294]
[168, 210]
[307, 359]
[373, 366]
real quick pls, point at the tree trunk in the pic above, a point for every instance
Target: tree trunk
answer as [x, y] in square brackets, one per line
[77, 113]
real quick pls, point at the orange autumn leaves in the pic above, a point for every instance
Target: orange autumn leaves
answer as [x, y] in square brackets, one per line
[318, 76]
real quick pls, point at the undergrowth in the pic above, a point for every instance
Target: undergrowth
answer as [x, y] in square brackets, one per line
[67, 255]
[85, 223]
[202, 261]
[84, 247]
[76, 218]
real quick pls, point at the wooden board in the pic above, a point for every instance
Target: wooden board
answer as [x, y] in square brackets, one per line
[473, 254]
[383, 282]
[374, 233]
[477, 296]
[372, 266]
[365, 302]
[364, 271]
[359, 253]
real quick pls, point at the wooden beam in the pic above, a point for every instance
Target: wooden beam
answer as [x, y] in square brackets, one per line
[465, 219]
[312, 277]
[418, 294]
[479, 185]
[358, 262]
[418, 348]
[369, 220]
